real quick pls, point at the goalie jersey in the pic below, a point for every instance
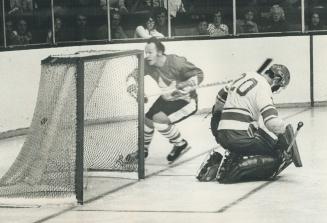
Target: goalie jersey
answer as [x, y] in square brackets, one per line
[246, 99]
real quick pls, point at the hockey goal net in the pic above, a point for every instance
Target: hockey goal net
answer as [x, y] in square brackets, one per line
[84, 119]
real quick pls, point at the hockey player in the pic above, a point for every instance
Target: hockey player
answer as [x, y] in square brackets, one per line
[178, 80]
[253, 153]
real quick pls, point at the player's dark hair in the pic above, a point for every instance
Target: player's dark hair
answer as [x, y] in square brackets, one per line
[157, 43]
[147, 17]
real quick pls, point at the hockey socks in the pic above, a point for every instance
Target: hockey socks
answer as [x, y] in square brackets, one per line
[170, 132]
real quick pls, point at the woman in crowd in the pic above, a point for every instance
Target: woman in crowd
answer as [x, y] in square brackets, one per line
[148, 29]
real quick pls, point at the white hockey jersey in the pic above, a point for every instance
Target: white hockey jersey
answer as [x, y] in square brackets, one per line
[248, 97]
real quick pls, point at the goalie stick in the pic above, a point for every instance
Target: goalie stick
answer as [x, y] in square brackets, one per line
[295, 156]
[263, 67]
[265, 64]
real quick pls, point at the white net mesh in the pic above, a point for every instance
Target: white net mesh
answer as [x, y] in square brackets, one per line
[111, 115]
[46, 164]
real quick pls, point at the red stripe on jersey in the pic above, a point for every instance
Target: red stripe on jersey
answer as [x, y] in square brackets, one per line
[236, 117]
[269, 118]
[242, 109]
[268, 113]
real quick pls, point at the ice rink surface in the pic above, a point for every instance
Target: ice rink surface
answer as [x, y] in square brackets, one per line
[170, 193]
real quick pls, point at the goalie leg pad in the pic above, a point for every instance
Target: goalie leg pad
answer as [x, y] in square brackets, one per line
[259, 167]
[285, 140]
[209, 168]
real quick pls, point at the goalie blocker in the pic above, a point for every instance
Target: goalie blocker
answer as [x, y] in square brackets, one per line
[236, 168]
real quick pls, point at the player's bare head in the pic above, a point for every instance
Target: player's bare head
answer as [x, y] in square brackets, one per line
[154, 49]
[158, 44]
[279, 76]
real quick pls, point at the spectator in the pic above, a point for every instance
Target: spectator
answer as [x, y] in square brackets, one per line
[247, 25]
[142, 6]
[148, 30]
[202, 28]
[217, 28]
[11, 34]
[114, 4]
[81, 31]
[175, 6]
[23, 35]
[192, 5]
[154, 3]
[277, 22]
[59, 5]
[315, 23]
[60, 35]
[21, 6]
[132, 5]
[116, 30]
[162, 21]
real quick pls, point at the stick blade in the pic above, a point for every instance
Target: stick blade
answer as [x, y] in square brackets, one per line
[294, 149]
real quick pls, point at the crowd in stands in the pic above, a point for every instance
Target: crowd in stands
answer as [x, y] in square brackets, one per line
[30, 21]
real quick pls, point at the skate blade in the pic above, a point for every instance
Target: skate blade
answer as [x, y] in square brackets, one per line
[180, 155]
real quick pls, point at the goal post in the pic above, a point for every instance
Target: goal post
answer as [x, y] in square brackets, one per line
[79, 175]
[141, 160]
[84, 119]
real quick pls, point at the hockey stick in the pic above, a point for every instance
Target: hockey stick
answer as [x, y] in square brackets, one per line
[287, 162]
[299, 126]
[263, 66]
[200, 86]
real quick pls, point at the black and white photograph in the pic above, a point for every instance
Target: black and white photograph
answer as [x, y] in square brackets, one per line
[163, 111]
